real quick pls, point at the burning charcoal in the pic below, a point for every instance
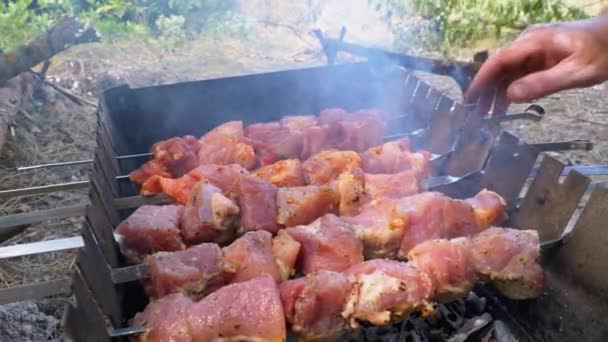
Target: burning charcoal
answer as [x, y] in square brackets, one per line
[412, 330]
[471, 325]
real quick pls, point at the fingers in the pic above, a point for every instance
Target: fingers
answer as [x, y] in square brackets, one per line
[508, 60]
[564, 75]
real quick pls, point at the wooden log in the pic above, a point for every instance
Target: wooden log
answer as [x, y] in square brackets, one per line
[12, 95]
[66, 32]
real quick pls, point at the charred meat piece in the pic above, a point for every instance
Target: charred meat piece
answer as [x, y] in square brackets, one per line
[258, 202]
[225, 177]
[285, 250]
[193, 272]
[313, 304]
[326, 166]
[165, 320]
[449, 264]
[250, 256]
[326, 244]
[226, 145]
[172, 158]
[283, 173]
[303, 204]
[209, 216]
[247, 311]
[151, 229]
[385, 290]
[508, 258]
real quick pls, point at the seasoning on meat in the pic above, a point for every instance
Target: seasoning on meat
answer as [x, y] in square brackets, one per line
[508, 258]
[283, 173]
[251, 256]
[258, 202]
[313, 305]
[151, 229]
[225, 177]
[193, 272]
[326, 166]
[303, 204]
[326, 244]
[247, 311]
[285, 250]
[209, 216]
[385, 290]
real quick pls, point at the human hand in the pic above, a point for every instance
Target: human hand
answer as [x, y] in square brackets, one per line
[544, 59]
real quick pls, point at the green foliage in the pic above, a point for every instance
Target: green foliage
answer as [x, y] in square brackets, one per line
[175, 20]
[459, 23]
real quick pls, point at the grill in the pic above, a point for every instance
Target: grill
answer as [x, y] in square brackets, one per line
[471, 152]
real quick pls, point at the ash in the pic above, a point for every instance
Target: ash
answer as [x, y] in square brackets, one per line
[25, 321]
[462, 320]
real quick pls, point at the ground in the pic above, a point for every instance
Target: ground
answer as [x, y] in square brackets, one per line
[60, 130]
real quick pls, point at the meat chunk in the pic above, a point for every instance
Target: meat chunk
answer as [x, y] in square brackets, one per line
[303, 204]
[395, 156]
[247, 311]
[151, 229]
[193, 272]
[258, 202]
[272, 142]
[449, 264]
[326, 245]
[314, 140]
[332, 115]
[380, 228]
[285, 250]
[178, 155]
[225, 177]
[489, 208]
[396, 185]
[283, 173]
[432, 215]
[350, 186]
[328, 165]
[172, 158]
[508, 258]
[313, 304]
[226, 145]
[149, 169]
[250, 256]
[209, 216]
[165, 320]
[359, 131]
[297, 123]
[385, 290]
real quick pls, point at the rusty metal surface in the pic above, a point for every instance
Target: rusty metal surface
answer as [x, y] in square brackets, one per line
[549, 203]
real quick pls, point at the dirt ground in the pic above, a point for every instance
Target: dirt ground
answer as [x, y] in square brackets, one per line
[60, 130]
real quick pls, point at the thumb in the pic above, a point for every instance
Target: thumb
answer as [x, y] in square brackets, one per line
[562, 76]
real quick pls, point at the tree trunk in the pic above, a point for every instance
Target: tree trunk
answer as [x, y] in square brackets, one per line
[66, 32]
[16, 83]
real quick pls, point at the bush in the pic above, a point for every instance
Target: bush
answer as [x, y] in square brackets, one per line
[460, 23]
[22, 20]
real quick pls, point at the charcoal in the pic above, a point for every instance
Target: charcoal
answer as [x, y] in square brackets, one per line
[499, 332]
[475, 305]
